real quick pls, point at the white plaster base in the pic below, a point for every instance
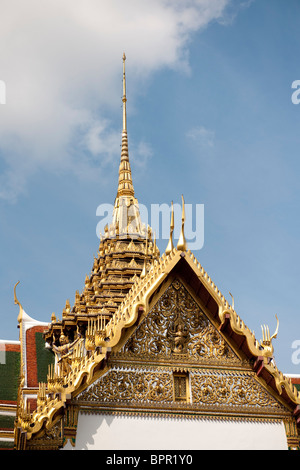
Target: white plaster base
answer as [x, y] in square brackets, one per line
[109, 432]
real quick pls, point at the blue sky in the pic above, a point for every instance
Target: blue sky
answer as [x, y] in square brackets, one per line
[210, 115]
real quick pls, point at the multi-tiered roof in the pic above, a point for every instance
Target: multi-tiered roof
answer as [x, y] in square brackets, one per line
[127, 249]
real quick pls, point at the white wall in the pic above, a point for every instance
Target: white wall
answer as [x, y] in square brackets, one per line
[135, 433]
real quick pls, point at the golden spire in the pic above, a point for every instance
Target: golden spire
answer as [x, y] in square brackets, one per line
[170, 245]
[124, 99]
[182, 245]
[125, 187]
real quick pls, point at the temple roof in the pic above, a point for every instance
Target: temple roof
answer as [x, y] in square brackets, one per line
[102, 340]
[128, 277]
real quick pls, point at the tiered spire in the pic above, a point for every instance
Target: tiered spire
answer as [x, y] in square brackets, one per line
[126, 251]
[126, 216]
[125, 187]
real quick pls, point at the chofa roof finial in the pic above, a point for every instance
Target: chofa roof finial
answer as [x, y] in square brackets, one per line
[182, 245]
[170, 245]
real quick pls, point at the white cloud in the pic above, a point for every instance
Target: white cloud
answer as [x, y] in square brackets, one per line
[141, 153]
[99, 139]
[201, 136]
[61, 63]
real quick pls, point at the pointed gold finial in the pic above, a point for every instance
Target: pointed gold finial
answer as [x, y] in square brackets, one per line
[15, 295]
[18, 303]
[266, 342]
[170, 245]
[125, 187]
[20, 320]
[124, 99]
[232, 302]
[182, 245]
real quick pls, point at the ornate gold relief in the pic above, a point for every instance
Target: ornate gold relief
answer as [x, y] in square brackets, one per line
[64, 352]
[234, 389]
[292, 434]
[70, 424]
[181, 387]
[177, 329]
[125, 386]
[52, 439]
[204, 392]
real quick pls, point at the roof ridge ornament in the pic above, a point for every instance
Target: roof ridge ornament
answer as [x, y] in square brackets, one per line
[21, 310]
[266, 342]
[232, 303]
[182, 244]
[15, 295]
[170, 245]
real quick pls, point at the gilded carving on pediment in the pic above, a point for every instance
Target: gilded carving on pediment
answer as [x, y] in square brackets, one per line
[234, 392]
[234, 388]
[177, 328]
[126, 386]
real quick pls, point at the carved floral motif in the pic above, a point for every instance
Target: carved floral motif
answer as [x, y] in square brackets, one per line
[132, 387]
[228, 391]
[177, 328]
[229, 388]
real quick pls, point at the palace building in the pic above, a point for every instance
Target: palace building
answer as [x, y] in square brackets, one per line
[150, 356]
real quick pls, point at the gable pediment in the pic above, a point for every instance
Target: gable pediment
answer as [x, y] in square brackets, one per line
[175, 347]
[178, 337]
[177, 329]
